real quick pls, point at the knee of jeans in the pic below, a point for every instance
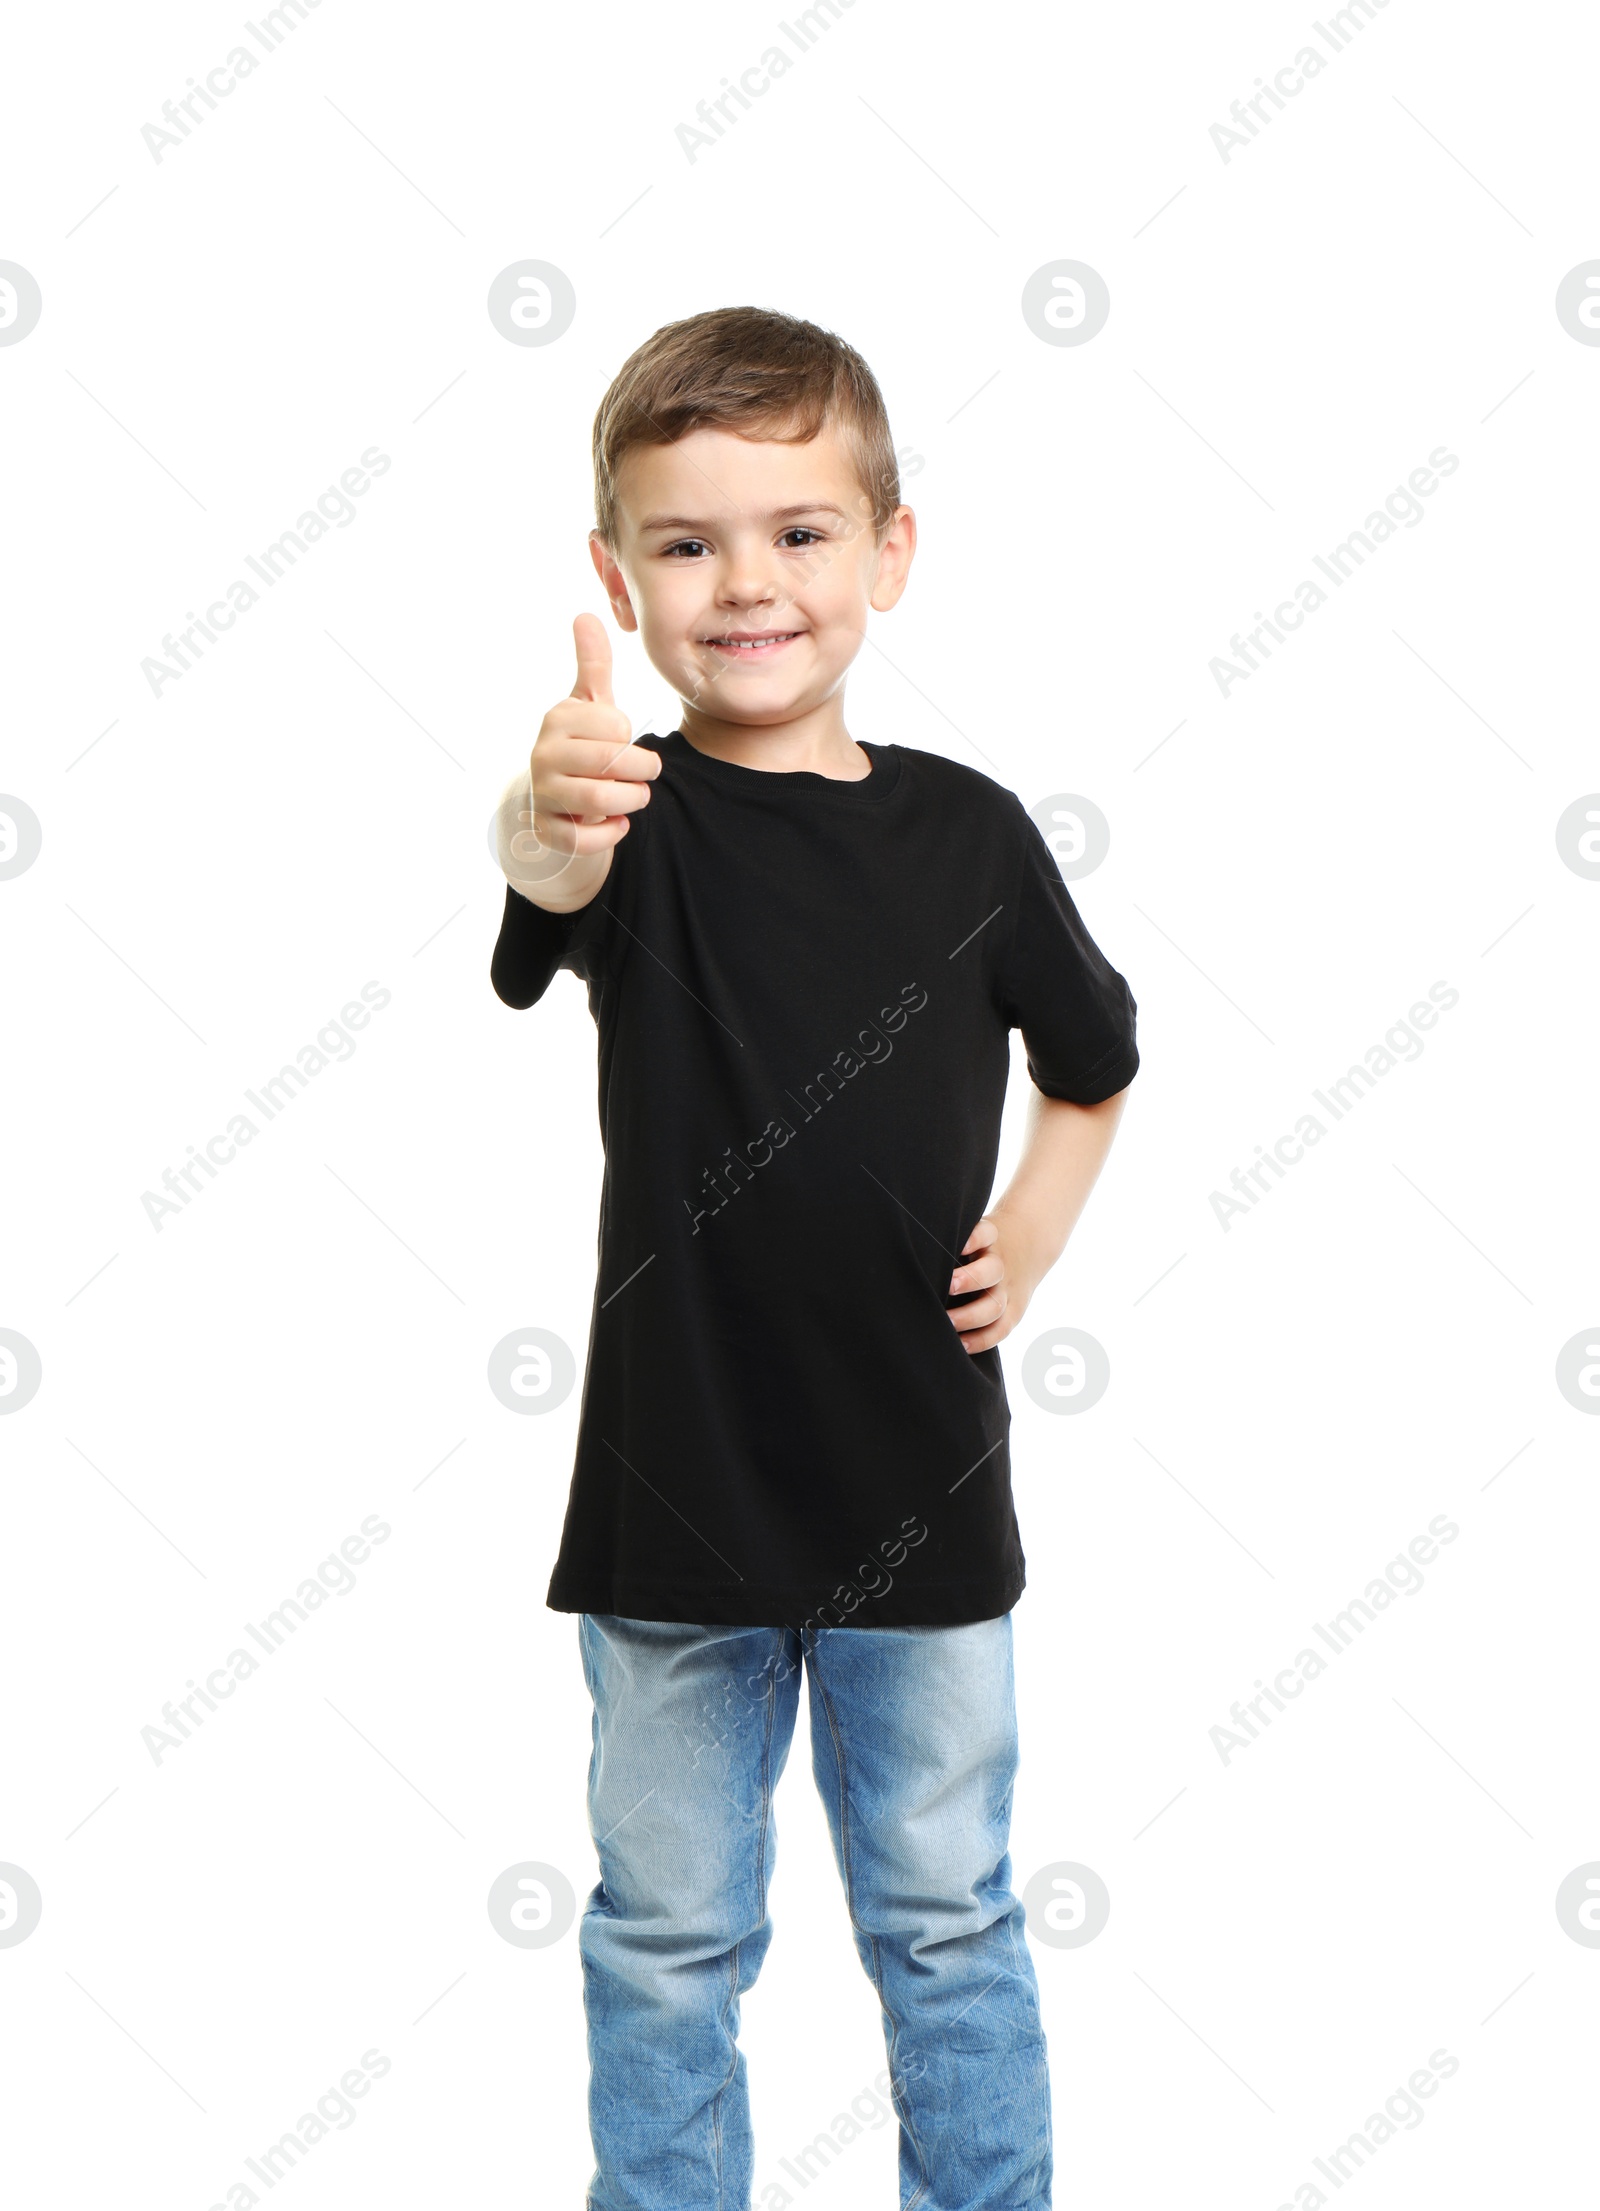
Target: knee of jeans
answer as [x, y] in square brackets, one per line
[925, 1889]
[664, 1933]
[696, 1904]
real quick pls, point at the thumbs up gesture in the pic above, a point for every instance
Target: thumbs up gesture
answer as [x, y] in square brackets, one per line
[585, 777]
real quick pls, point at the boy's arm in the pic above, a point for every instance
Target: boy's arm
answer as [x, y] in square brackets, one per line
[1025, 1231]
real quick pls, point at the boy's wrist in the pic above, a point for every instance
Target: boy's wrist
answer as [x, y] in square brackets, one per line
[557, 882]
[1029, 1252]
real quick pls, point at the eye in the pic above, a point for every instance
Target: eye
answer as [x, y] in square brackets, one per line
[801, 530]
[687, 545]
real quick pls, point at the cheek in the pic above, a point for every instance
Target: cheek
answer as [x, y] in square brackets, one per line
[835, 603]
[670, 603]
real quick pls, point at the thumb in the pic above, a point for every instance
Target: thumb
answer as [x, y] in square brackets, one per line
[594, 660]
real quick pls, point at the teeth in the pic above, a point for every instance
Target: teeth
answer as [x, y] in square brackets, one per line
[751, 644]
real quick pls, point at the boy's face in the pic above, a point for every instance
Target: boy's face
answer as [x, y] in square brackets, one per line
[722, 537]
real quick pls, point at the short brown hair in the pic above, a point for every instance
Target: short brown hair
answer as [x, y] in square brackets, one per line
[754, 371]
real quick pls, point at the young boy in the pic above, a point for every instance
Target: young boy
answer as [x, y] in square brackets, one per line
[804, 953]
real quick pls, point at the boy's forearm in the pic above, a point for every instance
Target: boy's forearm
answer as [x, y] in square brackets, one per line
[561, 892]
[1065, 1149]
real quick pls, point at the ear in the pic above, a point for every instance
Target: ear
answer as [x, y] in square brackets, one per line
[894, 560]
[614, 582]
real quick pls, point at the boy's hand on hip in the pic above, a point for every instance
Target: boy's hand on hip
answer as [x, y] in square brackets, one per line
[1025, 1230]
[996, 1261]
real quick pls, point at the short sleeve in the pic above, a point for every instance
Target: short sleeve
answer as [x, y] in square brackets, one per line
[533, 943]
[1076, 1013]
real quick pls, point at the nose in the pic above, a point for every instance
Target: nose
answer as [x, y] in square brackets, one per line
[749, 575]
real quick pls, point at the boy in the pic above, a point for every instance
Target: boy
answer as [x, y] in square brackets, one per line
[803, 954]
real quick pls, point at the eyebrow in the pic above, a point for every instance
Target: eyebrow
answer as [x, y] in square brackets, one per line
[777, 514]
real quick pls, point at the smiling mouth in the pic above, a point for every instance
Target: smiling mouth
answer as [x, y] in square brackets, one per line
[754, 646]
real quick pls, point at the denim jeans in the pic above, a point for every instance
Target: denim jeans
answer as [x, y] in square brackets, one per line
[914, 1751]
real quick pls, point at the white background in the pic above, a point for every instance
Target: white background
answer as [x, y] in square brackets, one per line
[223, 1401]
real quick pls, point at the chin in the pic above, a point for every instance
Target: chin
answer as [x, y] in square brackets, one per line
[778, 710]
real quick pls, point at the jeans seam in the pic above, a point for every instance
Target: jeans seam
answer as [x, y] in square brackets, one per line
[733, 1958]
[926, 2182]
[771, 1701]
[733, 2066]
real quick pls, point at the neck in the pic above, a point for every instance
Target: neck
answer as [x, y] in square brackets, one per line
[816, 740]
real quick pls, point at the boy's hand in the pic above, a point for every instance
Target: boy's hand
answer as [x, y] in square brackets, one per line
[995, 1260]
[585, 778]
[587, 775]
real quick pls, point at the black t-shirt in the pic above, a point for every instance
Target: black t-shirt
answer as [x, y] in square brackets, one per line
[803, 990]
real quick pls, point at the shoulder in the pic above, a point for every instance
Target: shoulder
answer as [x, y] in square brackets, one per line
[952, 783]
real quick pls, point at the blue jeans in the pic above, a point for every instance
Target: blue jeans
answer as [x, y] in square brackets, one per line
[914, 1750]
